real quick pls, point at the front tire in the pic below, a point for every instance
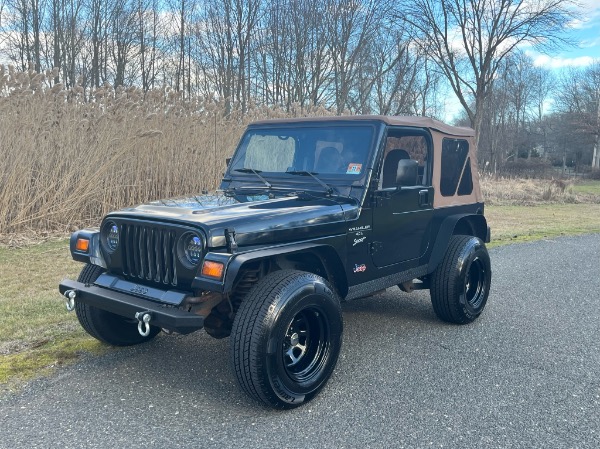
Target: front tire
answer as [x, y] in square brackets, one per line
[286, 338]
[461, 283]
[105, 326]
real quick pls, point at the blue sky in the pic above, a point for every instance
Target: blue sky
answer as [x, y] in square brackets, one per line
[586, 34]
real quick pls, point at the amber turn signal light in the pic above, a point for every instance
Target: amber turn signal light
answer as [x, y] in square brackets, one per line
[212, 269]
[82, 245]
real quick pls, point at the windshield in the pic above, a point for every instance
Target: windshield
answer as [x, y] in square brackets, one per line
[339, 151]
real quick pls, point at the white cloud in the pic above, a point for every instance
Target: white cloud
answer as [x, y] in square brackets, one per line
[557, 62]
[589, 43]
[590, 13]
[589, 5]
[580, 24]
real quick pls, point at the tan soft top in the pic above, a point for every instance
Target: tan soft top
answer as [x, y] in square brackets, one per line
[439, 131]
[420, 122]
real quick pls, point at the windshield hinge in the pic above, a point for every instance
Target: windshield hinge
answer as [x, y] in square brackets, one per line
[230, 239]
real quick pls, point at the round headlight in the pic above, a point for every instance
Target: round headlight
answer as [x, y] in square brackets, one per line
[193, 249]
[112, 236]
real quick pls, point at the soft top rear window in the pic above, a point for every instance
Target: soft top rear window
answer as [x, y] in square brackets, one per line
[454, 160]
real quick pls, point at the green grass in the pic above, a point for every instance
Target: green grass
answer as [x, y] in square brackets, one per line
[512, 224]
[37, 334]
[588, 187]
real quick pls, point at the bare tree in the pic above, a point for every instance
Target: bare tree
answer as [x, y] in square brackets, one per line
[72, 39]
[469, 39]
[97, 13]
[403, 82]
[24, 39]
[184, 12]
[291, 58]
[513, 125]
[122, 38]
[226, 38]
[579, 100]
[218, 49]
[543, 87]
[352, 26]
[148, 34]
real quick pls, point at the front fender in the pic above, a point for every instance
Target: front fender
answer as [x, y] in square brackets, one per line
[234, 262]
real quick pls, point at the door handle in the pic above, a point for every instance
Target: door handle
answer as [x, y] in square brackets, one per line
[423, 197]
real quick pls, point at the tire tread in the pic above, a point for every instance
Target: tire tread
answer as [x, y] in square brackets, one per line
[444, 283]
[248, 327]
[96, 322]
[88, 275]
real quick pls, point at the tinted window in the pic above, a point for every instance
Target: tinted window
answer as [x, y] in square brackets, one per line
[454, 157]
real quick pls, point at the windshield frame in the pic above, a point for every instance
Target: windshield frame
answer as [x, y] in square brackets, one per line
[287, 180]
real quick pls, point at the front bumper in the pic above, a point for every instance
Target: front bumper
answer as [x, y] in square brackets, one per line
[162, 315]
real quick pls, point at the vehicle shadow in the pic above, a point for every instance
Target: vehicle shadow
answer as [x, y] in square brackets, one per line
[197, 368]
[393, 304]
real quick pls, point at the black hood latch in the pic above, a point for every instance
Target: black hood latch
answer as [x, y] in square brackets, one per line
[230, 239]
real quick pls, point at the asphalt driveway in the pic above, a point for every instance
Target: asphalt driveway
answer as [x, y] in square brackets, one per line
[526, 374]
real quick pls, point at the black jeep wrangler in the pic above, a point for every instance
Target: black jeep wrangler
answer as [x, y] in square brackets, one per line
[309, 212]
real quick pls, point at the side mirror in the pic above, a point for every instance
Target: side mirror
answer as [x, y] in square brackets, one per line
[227, 161]
[408, 172]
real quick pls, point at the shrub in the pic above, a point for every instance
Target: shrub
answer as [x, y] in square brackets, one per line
[594, 174]
[523, 191]
[532, 168]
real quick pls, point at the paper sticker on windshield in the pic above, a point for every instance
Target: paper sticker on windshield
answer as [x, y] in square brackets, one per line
[353, 169]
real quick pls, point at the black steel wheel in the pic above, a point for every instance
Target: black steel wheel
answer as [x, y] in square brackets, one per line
[286, 338]
[306, 345]
[105, 326]
[476, 283]
[460, 285]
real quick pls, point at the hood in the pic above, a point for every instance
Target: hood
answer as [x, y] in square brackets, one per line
[256, 220]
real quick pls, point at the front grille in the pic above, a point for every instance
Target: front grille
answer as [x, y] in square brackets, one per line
[149, 253]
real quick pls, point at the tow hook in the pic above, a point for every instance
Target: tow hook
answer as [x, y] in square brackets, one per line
[70, 303]
[143, 323]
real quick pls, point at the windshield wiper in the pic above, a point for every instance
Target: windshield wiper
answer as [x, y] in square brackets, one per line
[329, 189]
[256, 172]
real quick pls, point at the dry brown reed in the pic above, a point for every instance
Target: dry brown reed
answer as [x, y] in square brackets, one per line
[67, 157]
[523, 192]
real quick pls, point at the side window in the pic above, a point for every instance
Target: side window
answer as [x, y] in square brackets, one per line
[410, 147]
[456, 168]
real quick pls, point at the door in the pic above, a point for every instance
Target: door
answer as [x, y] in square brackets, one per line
[402, 214]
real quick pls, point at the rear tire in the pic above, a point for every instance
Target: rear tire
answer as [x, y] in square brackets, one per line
[105, 326]
[461, 283]
[286, 338]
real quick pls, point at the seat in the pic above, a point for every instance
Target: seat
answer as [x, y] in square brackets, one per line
[330, 161]
[390, 167]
